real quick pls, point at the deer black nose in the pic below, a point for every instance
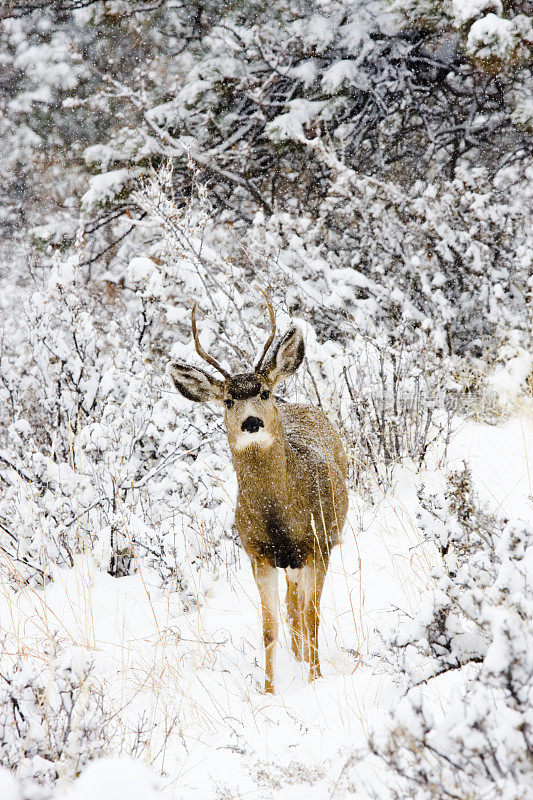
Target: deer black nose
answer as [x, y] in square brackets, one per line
[252, 424]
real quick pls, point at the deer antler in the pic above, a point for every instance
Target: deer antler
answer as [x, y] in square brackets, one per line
[272, 333]
[200, 350]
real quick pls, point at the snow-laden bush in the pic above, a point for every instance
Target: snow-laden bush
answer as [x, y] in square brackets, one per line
[52, 719]
[494, 35]
[401, 408]
[480, 614]
[93, 435]
[122, 85]
[447, 258]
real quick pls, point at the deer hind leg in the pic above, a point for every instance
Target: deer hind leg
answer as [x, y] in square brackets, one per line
[266, 578]
[295, 611]
[313, 579]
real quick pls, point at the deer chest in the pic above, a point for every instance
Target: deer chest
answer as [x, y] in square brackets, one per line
[279, 544]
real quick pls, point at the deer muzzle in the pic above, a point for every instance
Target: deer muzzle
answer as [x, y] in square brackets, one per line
[252, 424]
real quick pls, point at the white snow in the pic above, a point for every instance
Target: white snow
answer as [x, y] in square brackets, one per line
[491, 36]
[290, 125]
[508, 380]
[110, 779]
[141, 269]
[465, 10]
[8, 786]
[305, 72]
[341, 72]
[192, 680]
[105, 187]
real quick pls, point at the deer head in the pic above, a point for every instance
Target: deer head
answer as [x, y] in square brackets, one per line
[250, 412]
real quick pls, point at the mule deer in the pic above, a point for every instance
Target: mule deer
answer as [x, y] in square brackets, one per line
[291, 472]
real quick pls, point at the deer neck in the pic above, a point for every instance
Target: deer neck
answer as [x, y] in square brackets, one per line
[262, 472]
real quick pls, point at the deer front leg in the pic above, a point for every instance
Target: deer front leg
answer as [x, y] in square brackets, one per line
[314, 577]
[266, 578]
[295, 611]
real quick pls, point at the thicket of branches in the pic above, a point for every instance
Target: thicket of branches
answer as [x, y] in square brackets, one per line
[282, 112]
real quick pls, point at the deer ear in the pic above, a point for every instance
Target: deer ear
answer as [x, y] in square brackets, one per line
[286, 358]
[195, 384]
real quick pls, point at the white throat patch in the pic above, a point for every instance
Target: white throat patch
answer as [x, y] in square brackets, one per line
[261, 439]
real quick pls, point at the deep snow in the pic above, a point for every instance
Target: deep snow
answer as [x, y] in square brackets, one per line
[193, 679]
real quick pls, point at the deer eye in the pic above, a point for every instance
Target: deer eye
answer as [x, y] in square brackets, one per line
[228, 403]
[265, 395]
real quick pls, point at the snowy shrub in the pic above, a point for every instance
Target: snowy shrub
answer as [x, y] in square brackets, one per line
[394, 98]
[449, 258]
[494, 34]
[92, 434]
[400, 408]
[480, 614]
[52, 719]
[390, 173]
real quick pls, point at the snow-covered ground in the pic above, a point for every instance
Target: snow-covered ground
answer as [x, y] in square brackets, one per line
[186, 687]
